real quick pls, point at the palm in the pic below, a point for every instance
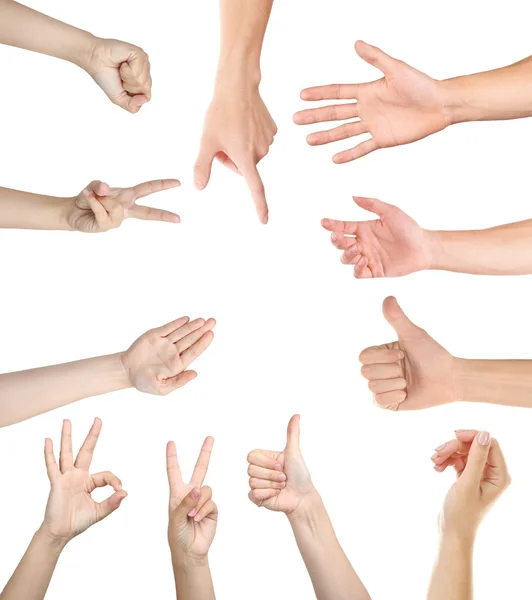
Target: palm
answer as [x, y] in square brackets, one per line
[70, 509]
[393, 246]
[156, 363]
[298, 483]
[400, 108]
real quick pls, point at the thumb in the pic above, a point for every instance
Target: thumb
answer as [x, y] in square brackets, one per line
[375, 56]
[180, 511]
[373, 205]
[477, 458]
[292, 435]
[202, 168]
[110, 504]
[395, 316]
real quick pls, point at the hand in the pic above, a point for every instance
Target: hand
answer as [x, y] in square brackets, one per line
[391, 246]
[122, 71]
[238, 131]
[193, 514]
[414, 372]
[402, 107]
[100, 208]
[71, 509]
[280, 481]
[157, 362]
[482, 476]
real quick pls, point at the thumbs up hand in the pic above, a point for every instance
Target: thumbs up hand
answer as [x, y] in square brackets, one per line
[412, 373]
[280, 481]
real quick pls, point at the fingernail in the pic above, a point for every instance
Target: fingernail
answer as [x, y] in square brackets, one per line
[192, 513]
[352, 249]
[483, 438]
[326, 222]
[441, 447]
[334, 237]
[197, 518]
[283, 484]
[199, 185]
[401, 355]
[277, 467]
[434, 456]
[281, 477]
[460, 430]
[264, 220]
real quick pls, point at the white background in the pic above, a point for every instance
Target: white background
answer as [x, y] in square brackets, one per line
[291, 319]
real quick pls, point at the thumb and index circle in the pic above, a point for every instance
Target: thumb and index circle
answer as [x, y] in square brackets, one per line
[395, 316]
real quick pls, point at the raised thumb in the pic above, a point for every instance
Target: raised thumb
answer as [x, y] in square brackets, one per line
[292, 434]
[394, 314]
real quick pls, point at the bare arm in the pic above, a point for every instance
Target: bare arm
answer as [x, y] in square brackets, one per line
[22, 210]
[24, 394]
[452, 578]
[32, 577]
[26, 28]
[331, 573]
[193, 580]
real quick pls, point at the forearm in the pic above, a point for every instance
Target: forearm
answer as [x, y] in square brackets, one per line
[506, 382]
[193, 580]
[504, 93]
[24, 394]
[452, 578]
[242, 28]
[34, 572]
[26, 28]
[331, 573]
[503, 250]
[22, 210]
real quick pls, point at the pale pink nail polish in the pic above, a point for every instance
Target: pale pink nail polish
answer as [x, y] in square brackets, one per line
[441, 447]
[483, 438]
[434, 456]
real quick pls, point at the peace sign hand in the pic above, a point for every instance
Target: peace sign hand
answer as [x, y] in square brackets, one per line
[193, 515]
[71, 509]
[157, 362]
[99, 208]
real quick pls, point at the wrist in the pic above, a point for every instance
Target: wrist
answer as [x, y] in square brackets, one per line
[458, 542]
[83, 47]
[436, 249]
[237, 72]
[184, 561]
[461, 377]
[50, 542]
[455, 107]
[307, 509]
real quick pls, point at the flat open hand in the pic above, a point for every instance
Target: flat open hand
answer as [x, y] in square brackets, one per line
[412, 373]
[280, 481]
[390, 246]
[99, 208]
[238, 131]
[122, 71]
[402, 107]
[71, 509]
[157, 362]
[193, 514]
[481, 473]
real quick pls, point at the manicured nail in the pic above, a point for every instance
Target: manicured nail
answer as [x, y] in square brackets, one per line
[441, 447]
[197, 518]
[192, 513]
[483, 438]
[326, 222]
[434, 456]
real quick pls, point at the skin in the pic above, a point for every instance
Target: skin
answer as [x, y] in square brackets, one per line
[238, 129]
[97, 208]
[395, 245]
[406, 105]
[120, 69]
[416, 372]
[193, 517]
[156, 363]
[280, 481]
[69, 512]
[481, 478]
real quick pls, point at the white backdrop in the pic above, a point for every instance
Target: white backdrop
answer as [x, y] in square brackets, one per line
[291, 319]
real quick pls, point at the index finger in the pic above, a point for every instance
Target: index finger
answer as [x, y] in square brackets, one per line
[375, 355]
[256, 187]
[334, 91]
[202, 465]
[65, 454]
[172, 467]
[84, 457]
[152, 187]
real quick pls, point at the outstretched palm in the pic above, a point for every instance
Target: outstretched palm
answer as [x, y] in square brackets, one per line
[402, 107]
[98, 207]
[71, 509]
[391, 246]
